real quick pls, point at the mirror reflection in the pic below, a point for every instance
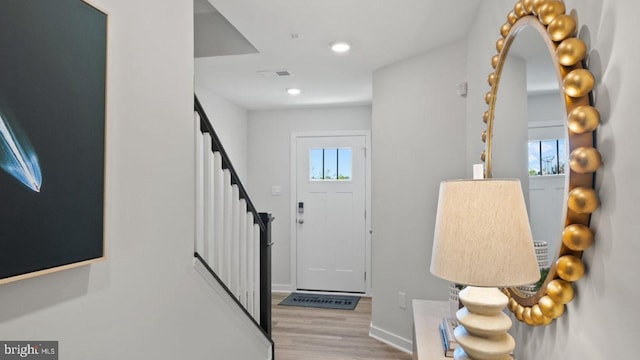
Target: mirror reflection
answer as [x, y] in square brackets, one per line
[529, 140]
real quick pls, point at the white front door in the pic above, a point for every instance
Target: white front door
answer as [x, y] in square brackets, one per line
[330, 221]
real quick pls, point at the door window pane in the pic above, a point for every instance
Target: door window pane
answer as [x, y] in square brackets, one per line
[549, 156]
[331, 164]
[534, 158]
[344, 164]
[562, 156]
[316, 167]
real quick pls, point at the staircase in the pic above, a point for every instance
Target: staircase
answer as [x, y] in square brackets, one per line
[233, 241]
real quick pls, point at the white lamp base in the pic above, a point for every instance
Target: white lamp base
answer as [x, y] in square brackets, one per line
[482, 333]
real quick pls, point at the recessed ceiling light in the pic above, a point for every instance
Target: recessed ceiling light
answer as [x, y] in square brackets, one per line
[340, 47]
[293, 91]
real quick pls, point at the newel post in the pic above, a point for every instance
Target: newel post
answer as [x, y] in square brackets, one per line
[265, 272]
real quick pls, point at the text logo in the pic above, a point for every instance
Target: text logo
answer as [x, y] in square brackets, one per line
[10, 350]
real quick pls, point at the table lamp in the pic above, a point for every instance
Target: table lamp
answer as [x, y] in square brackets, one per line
[483, 240]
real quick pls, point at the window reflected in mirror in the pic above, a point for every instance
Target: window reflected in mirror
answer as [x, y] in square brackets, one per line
[547, 157]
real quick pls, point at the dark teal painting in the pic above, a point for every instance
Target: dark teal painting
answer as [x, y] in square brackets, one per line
[52, 135]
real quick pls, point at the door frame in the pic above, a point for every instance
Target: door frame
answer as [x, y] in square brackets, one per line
[294, 194]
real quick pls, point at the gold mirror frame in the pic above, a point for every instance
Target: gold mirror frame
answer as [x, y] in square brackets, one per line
[568, 54]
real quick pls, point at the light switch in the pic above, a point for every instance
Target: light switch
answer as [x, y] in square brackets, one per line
[276, 190]
[478, 171]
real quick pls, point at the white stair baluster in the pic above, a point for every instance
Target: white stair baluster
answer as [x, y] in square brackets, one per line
[228, 206]
[250, 265]
[218, 212]
[235, 242]
[199, 154]
[256, 271]
[242, 237]
[208, 251]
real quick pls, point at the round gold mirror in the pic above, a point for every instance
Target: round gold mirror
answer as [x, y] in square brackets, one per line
[538, 42]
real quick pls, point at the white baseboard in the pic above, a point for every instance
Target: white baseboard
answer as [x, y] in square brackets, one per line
[331, 293]
[285, 288]
[282, 288]
[391, 339]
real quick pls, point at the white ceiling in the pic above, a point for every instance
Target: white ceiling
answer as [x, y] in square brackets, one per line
[294, 35]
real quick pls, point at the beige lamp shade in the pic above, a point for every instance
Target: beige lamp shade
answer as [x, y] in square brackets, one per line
[482, 234]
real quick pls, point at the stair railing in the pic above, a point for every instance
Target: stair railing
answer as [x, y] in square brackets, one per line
[233, 240]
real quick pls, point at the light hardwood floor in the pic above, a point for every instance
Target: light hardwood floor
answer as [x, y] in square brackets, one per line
[302, 333]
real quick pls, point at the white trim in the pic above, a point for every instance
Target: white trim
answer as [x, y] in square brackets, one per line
[391, 339]
[288, 289]
[338, 293]
[232, 305]
[294, 191]
[544, 124]
[282, 288]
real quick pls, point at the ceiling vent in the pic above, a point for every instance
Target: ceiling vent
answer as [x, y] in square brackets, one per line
[276, 73]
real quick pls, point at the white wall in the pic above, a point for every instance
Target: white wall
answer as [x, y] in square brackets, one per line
[418, 141]
[510, 150]
[146, 301]
[270, 165]
[545, 107]
[480, 48]
[601, 323]
[230, 123]
[215, 36]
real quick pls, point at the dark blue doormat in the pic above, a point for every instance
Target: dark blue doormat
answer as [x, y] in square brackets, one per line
[343, 302]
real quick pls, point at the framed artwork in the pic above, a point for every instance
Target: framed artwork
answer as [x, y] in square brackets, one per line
[52, 136]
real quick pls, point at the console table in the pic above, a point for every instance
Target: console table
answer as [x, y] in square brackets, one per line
[427, 316]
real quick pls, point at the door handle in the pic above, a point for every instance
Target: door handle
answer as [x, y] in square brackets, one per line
[300, 221]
